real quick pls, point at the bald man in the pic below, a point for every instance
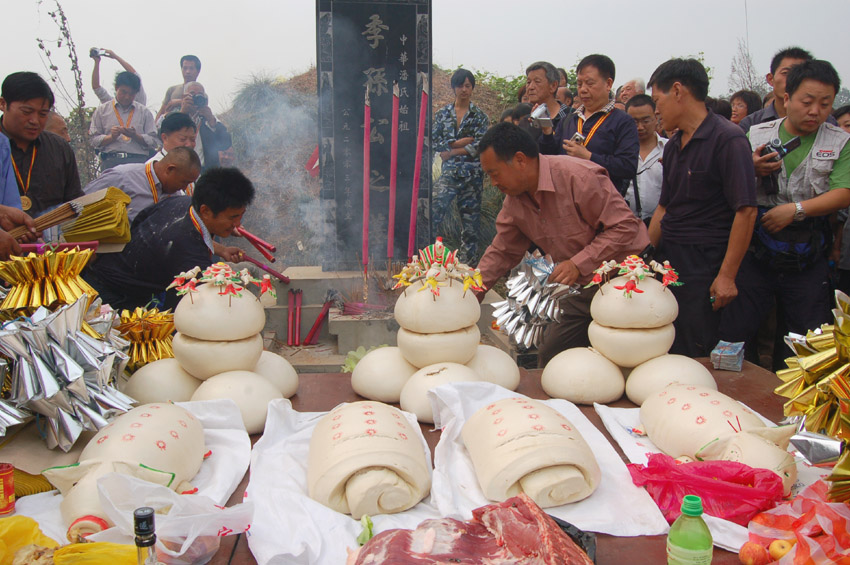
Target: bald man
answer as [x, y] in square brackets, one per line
[148, 183]
[213, 139]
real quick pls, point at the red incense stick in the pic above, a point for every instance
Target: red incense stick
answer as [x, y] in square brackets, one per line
[393, 174]
[367, 173]
[283, 278]
[255, 240]
[417, 168]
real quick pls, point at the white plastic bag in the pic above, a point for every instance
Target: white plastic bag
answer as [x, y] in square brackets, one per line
[188, 527]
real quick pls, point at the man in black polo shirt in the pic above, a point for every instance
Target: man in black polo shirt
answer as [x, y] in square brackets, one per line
[707, 208]
[610, 137]
[172, 237]
[45, 166]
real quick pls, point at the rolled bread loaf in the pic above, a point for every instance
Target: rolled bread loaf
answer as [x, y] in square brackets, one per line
[519, 445]
[366, 458]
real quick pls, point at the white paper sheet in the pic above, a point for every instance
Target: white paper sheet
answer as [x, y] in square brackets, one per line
[617, 507]
[289, 527]
[220, 473]
[621, 421]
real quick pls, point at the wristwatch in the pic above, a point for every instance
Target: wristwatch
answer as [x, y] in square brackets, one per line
[799, 213]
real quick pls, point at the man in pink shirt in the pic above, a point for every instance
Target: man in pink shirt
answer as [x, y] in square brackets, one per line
[567, 208]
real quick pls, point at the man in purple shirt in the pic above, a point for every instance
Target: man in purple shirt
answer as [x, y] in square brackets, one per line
[705, 216]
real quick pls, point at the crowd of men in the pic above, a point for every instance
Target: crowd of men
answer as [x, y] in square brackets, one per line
[175, 168]
[747, 198]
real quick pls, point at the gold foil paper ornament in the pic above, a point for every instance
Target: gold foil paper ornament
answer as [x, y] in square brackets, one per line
[149, 333]
[50, 280]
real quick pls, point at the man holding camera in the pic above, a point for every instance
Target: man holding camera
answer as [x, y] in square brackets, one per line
[123, 130]
[597, 131]
[96, 54]
[803, 169]
[213, 138]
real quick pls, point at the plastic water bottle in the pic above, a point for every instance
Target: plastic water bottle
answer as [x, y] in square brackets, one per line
[689, 541]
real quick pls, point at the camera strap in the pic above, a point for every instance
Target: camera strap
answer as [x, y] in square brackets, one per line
[593, 129]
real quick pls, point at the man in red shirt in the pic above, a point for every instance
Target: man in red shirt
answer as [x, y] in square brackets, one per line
[569, 209]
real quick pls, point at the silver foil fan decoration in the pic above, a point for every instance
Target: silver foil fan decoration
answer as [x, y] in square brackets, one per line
[532, 302]
[63, 374]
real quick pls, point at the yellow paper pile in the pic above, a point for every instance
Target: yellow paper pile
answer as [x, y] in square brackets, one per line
[49, 280]
[104, 219]
[817, 384]
[149, 333]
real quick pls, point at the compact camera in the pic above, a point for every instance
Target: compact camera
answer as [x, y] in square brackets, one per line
[770, 183]
[96, 52]
[781, 149]
[199, 100]
[540, 117]
[578, 138]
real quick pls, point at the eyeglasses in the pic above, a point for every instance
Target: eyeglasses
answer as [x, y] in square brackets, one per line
[643, 121]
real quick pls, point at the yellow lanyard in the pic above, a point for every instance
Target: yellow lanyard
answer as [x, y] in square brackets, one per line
[25, 187]
[118, 116]
[593, 129]
[151, 182]
[195, 220]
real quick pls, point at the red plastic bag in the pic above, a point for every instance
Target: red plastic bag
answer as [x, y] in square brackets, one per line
[819, 526]
[728, 489]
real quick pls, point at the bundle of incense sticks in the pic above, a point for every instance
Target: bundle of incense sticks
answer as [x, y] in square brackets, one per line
[261, 245]
[63, 213]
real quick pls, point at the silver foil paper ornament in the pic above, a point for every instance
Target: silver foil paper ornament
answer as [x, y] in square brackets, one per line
[532, 302]
[62, 374]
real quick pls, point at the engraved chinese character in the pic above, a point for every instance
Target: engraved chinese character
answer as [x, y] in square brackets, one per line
[376, 80]
[346, 127]
[403, 57]
[402, 75]
[403, 109]
[375, 182]
[402, 92]
[346, 112]
[374, 29]
[402, 126]
[403, 39]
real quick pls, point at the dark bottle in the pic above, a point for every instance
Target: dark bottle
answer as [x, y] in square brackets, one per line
[143, 526]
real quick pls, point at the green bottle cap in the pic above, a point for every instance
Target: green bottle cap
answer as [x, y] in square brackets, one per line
[691, 505]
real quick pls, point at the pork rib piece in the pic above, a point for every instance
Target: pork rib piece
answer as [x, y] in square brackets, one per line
[515, 531]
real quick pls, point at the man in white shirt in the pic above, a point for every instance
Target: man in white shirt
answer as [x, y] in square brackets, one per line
[649, 171]
[101, 93]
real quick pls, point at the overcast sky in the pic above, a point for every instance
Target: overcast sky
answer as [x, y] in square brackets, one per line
[277, 37]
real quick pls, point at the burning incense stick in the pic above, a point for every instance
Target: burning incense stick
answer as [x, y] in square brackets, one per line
[393, 174]
[283, 278]
[256, 241]
[367, 134]
[417, 168]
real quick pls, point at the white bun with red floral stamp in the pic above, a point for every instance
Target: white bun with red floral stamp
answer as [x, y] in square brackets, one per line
[366, 458]
[159, 442]
[657, 374]
[522, 445]
[702, 423]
